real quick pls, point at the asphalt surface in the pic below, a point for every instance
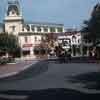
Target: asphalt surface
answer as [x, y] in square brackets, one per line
[47, 79]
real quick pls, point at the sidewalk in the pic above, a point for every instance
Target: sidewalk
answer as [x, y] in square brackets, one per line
[18, 66]
[13, 69]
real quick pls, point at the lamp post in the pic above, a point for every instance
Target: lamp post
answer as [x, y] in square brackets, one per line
[81, 44]
[21, 51]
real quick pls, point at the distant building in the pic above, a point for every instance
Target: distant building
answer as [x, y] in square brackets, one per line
[73, 36]
[71, 39]
[31, 34]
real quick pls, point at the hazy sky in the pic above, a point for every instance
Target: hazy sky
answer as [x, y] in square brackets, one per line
[71, 13]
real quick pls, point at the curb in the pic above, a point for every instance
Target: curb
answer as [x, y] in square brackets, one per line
[13, 97]
[16, 72]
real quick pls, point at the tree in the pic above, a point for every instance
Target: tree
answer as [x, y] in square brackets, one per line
[8, 43]
[92, 26]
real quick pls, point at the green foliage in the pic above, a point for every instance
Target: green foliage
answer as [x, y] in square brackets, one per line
[3, 61]
[92, 26]
[8, 43]
[6, 60]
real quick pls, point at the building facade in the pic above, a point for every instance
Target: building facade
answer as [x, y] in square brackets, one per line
[71, 39]
[29, 34]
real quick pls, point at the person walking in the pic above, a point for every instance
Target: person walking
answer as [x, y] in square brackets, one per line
[98, 56]
[60, 54]
[66, 57]
[63, 56]
[69, 55]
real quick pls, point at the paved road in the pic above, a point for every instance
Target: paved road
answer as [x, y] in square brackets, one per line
[47, 75]
[43, 75]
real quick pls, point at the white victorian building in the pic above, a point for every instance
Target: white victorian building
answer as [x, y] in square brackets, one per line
[29, 33]
[71, 38]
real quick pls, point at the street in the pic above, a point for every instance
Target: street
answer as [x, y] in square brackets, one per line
[44, 74]
[48, 78]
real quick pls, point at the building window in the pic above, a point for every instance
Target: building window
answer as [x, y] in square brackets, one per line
[78, 40]
[74, 39]
[13, 12]
[22, 28]
[52, 29]
[59, 29]
[13, 28]
[39, 29]
[33, 28]
[27, 27]
[26, 39]
[35, 38]
[89, 41]
[45, 29]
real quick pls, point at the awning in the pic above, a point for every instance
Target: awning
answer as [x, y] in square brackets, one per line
[27, 45]
[26, 49]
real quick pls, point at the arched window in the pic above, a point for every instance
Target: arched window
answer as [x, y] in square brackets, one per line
[59, 29]
[52, 29]
[45, 29]
[14, 9]
[26, 39]
[27, 27]
[13, 28]
[22, 27]
[33, 28]
[35, 38]
[78, 40]
[39, 28]
[73, 38]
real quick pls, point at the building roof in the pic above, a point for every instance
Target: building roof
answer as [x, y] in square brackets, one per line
[43, 23]
[13, 1]
[67, 33]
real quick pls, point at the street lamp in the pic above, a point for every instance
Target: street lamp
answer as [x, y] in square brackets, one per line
[81, 44]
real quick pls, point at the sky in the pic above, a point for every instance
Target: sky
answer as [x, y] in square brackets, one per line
[71, 13]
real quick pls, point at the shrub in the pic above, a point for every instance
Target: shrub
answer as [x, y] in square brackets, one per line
[6, 60]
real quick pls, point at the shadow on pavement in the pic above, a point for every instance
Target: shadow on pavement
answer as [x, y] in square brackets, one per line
[90, 80]
[33, 71]
[76, 60]
[55, 94]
